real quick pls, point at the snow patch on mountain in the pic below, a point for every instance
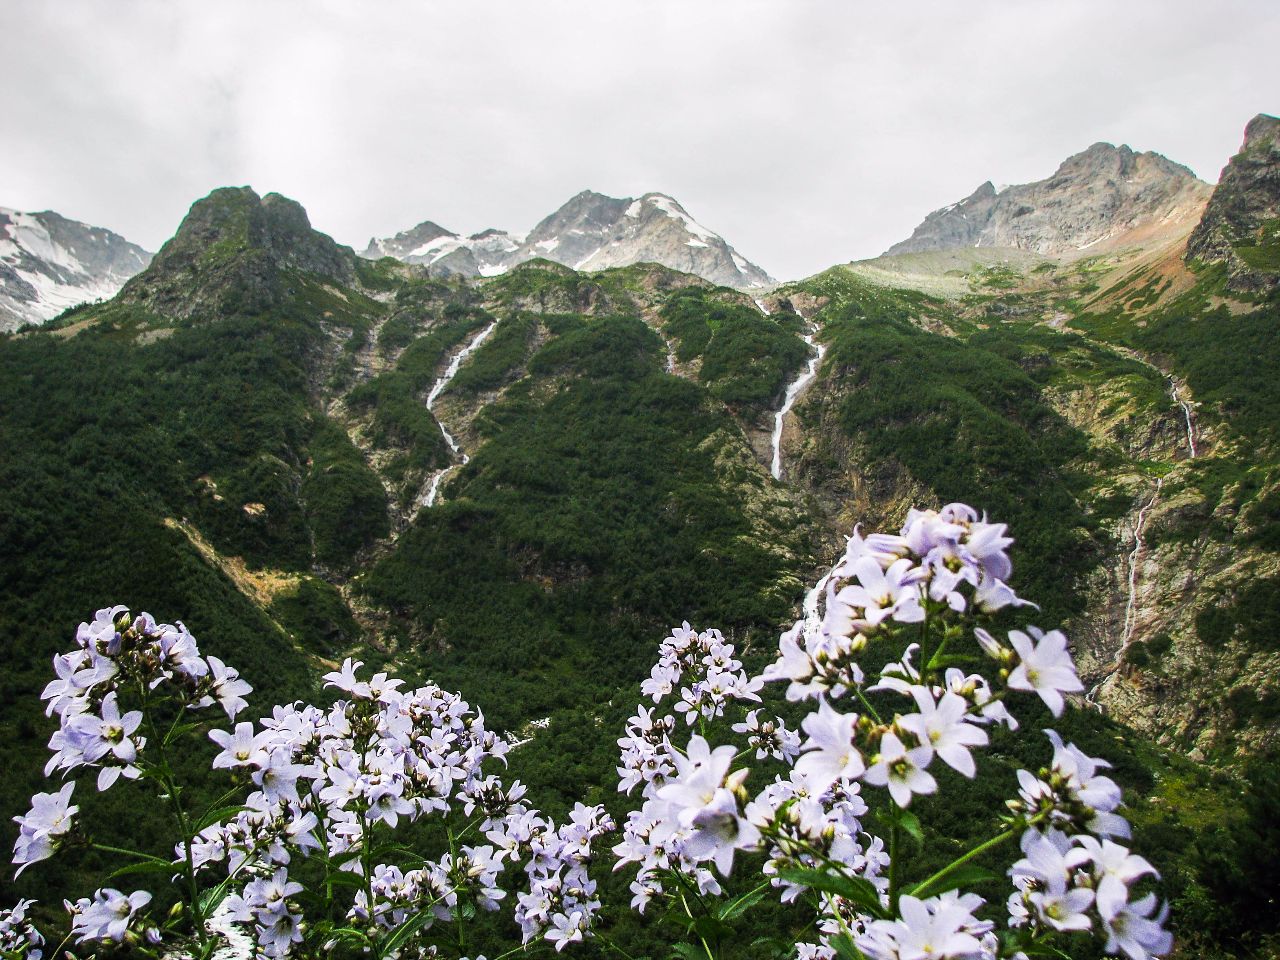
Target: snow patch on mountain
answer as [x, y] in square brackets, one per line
[589, 232]
[49, 263]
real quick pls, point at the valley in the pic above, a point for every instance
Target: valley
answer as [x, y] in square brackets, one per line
[514, 482]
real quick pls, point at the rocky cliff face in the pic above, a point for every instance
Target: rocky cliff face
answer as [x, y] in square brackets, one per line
[589, 232]
[231, 254]
[1097, 200]
[1241, 224]
[49, 263]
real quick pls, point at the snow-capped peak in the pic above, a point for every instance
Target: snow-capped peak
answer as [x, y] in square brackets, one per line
[49, 263]
[591, 231]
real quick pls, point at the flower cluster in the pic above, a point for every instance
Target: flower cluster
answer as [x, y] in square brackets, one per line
[561, 900]
[693, 811]
[18, 937]
[109, 915]
[1066, 883]
[326, 779]
[702, 666]
[310, 865]
[927, 584]
[116, 656]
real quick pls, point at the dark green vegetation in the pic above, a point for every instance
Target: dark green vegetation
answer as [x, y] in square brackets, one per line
[746, 359]
[595, 513]
[967, 420]
[270, 401]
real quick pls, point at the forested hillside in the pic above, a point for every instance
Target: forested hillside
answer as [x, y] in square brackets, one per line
[515, 486]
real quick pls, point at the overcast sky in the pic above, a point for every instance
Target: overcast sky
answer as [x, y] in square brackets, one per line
[806, 133]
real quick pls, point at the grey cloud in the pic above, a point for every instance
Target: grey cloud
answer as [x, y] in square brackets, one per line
[807, 133]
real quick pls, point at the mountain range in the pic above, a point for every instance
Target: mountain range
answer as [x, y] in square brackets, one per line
[516, 483]
[589, 232]
[1099, 200]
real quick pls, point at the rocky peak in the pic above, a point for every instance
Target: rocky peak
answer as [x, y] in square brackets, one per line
[1102, 197]
[233, 249]
[408, 244]
[1241, 224]
[49, 263]
[1262, 129]
[590, 231]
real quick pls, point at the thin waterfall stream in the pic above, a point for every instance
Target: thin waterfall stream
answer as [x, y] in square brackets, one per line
[455, 364]
[794, 390]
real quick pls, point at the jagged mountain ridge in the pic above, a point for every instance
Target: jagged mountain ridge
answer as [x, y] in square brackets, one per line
[589, 232]
[1241, 224]
[1097, 200]
[229, 253]
[49, 263]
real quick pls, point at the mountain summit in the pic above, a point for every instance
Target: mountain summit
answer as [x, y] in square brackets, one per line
[49, 263]
[1241, 224]
[1096, 200]
[590, 231]
[233, 252]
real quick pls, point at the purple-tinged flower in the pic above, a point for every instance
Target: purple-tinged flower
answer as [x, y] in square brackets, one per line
[901, 770]
[1044, 666]
[830, 751]
[944, 727]
[48, 819]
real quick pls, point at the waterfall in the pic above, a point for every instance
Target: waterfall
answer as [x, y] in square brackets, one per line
[451, 371]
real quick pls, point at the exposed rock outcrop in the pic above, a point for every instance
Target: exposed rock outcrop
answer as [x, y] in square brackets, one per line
[589, 232]
[1241, 225]
[233, 252]
[1097, 200]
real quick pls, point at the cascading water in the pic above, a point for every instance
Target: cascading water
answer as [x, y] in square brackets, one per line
[451, 371]
[793, 392]
[1186, 413]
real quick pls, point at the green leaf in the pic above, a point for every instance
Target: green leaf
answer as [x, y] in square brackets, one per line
[210, 899]
[401, 934]
[856, 889]
[735, 909]
[896, 816]
[909, 822]
[845, 948]
[348, 933]
[952, 660]
[147, 866]
[218, 816]
[963, 876]
[687, 951]
[710, 928]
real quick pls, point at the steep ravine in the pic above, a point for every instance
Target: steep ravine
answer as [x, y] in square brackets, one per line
[431, 488]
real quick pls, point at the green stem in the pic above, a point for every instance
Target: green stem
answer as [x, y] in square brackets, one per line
[701, 939]
[937, 654]
[960, 861]
[603, 939]
[749, 893]
[870, 709]
[893, 867]
[162, 773]
[924, 639]
[106, 848]
[831, 909]
[524, 946]
[366, 859]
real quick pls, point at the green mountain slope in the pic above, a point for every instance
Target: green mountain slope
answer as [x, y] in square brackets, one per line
[243, 439]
